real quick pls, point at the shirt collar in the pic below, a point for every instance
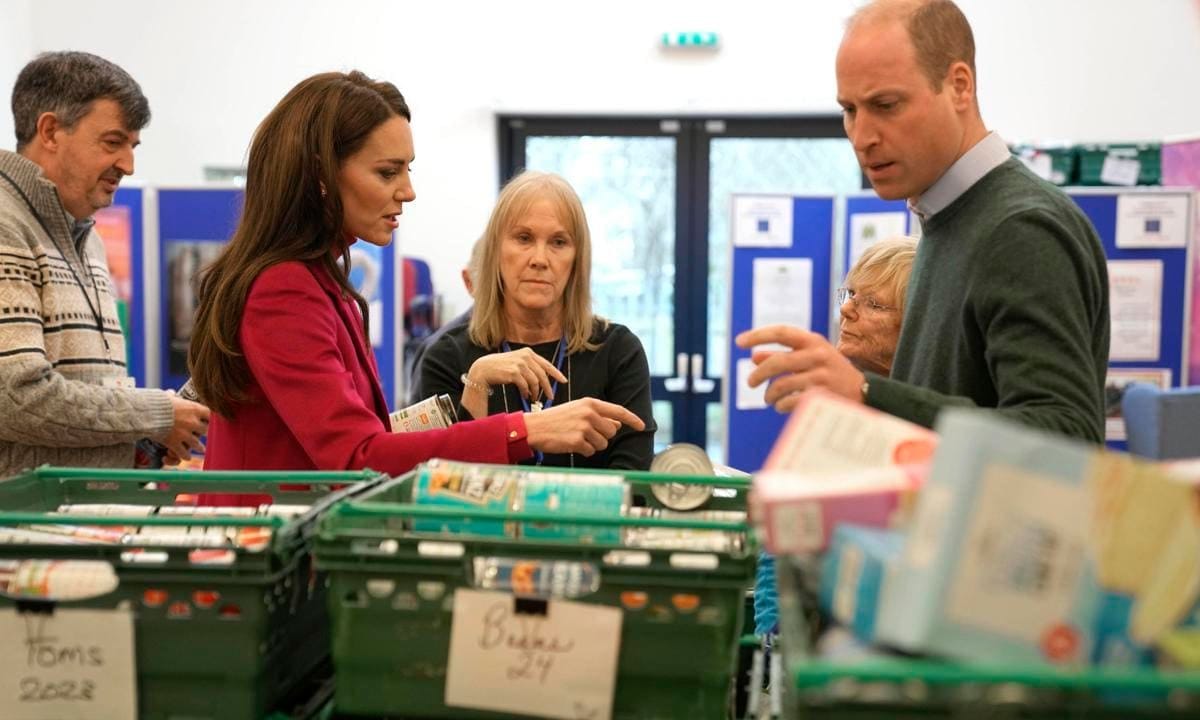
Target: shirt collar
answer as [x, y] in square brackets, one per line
[985, 156]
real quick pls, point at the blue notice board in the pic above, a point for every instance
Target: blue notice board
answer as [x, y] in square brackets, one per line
[194, 223]
[750, 431]
[1136, 354]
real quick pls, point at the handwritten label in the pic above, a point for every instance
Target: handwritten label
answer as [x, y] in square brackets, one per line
[67, 664]
[553, 659]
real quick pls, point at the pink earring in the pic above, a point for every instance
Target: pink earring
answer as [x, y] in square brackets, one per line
[323, 193]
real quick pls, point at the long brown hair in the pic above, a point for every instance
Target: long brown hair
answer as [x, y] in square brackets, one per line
[488, 322]
[292, 211]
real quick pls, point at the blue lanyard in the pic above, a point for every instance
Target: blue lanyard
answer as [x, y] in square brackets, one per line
[560, 355]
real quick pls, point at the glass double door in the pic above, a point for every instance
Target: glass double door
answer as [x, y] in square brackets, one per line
[657, 192]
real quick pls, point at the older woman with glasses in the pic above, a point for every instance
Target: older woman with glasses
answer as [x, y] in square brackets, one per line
[872, 304]
[872, 308]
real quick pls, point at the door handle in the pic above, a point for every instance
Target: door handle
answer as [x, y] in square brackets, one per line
[700, 384]
[679, 382]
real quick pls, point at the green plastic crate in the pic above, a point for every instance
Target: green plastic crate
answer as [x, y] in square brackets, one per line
[393, 661]
[907, 687]
[204, 665]
[1148, 155]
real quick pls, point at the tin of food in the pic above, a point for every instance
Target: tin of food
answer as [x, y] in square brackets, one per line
[571, 494]
[682, 459]
[462, 485]
[432, 413]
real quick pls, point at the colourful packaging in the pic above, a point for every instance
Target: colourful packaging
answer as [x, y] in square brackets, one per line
[462, 485]
[837, 462]
[853, 573]
[1019, 541]
[798, 513]
[827, 434]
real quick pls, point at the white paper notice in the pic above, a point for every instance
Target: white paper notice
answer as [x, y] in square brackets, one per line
[1114, 388]
[1152, 221]
[1118, 170]
[782, 294]
[560, 664]
[762, 221]
[749, 398]
[67, 664]
[1135, 304]
[868, 228]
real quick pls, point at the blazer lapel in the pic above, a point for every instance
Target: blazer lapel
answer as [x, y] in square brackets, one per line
[347, 310]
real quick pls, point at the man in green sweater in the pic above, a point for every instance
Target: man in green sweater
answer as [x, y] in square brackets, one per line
[1007, 306]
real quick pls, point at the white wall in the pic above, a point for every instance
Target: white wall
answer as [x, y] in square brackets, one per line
[1048, 69]
[16, 47]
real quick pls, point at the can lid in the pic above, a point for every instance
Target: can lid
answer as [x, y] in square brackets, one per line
[682, 459]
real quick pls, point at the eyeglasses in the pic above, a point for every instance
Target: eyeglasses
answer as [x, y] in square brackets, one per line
[845, 293]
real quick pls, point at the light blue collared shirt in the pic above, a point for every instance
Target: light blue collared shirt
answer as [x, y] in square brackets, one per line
[984, 157]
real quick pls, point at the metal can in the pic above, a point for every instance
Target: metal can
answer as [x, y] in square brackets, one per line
[463, 485]
[694, 539]
[432, 413]
[570, 494]
[537, 577]
[682, 459]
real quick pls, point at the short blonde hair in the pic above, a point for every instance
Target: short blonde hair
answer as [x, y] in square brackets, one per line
[487, 327]
[885, 264]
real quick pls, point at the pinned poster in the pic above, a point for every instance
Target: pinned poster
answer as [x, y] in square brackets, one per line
[1114, 391]
[782, 294]
[866, 229]
[366, 275]
[1135, 306]
[548, 658]
[1152, 221]
[749, 398]
[762, 221]
[114, 224]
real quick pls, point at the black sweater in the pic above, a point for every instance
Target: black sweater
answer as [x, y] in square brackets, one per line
[616, 372]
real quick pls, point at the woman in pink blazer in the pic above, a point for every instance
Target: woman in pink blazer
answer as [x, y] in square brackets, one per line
[280, 350]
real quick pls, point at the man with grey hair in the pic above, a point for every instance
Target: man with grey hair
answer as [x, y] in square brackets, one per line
[65, 395]
[1008, 299]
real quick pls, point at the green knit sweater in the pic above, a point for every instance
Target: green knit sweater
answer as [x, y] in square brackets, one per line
[1007, 308]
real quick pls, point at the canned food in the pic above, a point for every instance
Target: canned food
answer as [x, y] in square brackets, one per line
[571, 493]
[537, 578]
[432, 413]
[693, 539]
[682, 459]
[463, 485]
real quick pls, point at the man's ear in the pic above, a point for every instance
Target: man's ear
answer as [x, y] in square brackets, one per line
[961, 82]
[46, 131]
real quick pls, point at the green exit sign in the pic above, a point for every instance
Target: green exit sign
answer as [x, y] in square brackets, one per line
[690, 40]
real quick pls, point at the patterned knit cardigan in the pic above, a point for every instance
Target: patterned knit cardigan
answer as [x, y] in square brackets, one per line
[61, 351]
